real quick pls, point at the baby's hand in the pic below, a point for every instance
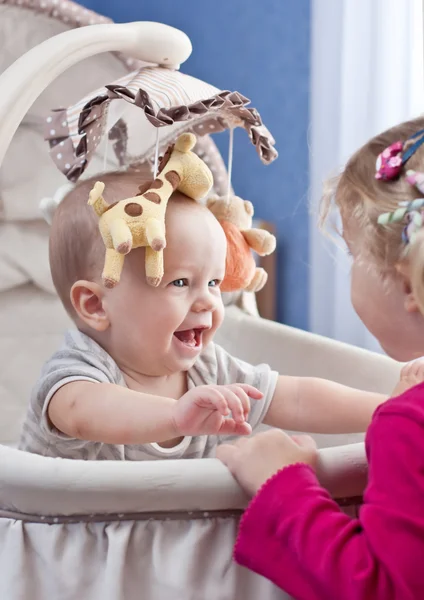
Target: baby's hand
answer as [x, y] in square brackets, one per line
[411, 374]
[252, 462]
[204, 410]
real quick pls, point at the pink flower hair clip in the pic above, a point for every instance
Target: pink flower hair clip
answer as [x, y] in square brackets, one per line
[389, 162]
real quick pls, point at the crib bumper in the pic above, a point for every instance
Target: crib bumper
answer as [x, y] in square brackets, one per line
[131, 530]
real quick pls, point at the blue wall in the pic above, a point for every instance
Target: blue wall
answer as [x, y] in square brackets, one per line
[261, 50]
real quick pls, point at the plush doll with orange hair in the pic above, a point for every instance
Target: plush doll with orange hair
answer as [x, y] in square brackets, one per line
[236, 216]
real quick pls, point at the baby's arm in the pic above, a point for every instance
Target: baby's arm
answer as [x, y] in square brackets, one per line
[320, 406]
[112, 414]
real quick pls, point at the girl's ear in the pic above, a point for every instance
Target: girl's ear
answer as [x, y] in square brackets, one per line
[87, 299]
[410, 304]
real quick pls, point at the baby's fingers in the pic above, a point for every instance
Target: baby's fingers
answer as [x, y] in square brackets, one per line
[251, 391]
[236, 403]
[243, 397]
[227, 454]
[417, 368]
[213, 398]
[230, 427]
[305, 441]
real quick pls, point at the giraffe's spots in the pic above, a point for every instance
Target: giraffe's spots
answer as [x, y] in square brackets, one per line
[133, 209]
[124, 247]
[111, 206]
[157, 184]
[165, 159]
[149, 185]
[109, 283]
[158, 244]
[153, 197]
[144, 187]
[173, 178]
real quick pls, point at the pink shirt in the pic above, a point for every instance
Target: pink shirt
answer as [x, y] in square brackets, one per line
[294, 534]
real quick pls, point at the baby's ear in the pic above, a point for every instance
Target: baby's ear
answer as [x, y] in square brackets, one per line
[87, 300]
[409, 301]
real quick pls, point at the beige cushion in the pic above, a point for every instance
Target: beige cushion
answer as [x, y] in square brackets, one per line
[28, 173]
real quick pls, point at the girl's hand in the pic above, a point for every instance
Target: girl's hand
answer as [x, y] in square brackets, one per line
[205, 410]
[411, 375]
[253, 461]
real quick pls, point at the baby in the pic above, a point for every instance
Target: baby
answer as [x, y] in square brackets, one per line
[140, 377]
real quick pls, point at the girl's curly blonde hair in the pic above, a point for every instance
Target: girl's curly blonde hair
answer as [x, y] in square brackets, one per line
[361, 197]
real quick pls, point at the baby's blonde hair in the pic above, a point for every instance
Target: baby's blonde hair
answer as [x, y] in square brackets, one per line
[361, 199]
[76, 249]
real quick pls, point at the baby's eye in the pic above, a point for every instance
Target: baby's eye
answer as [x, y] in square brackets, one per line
[180, 283]
[214, 283]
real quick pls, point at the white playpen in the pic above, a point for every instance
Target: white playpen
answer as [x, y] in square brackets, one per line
[118, 530]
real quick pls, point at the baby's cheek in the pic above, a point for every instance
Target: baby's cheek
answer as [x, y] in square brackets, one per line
[358, 295]
[218, 317]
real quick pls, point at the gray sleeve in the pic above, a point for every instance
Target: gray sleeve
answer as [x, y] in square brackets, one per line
[71, 363]
[233, 370]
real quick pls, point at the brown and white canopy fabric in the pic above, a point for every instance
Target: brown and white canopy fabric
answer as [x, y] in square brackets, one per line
[23, 24]
[148, 105]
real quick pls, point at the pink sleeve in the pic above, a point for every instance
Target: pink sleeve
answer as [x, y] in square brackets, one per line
[294, 534]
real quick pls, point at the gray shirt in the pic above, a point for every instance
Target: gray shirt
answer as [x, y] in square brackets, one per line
[81, 359]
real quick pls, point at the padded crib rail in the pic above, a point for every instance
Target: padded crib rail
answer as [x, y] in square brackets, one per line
[295, 352]
[32, 486]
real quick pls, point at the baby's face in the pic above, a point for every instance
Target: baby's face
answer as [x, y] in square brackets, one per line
[160, 331]
[380, 302]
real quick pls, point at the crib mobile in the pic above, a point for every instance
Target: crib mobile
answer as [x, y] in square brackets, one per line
[166, 110]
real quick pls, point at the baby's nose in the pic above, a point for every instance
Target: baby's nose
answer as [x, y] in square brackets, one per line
[205, 302]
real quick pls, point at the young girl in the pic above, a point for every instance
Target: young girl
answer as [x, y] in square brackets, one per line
[293, 532]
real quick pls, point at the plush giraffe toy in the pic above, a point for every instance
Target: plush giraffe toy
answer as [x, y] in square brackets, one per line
[235, 216]
[140, 221]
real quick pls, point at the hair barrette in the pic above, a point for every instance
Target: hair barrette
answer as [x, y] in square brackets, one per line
[412, 213]
[390, 162]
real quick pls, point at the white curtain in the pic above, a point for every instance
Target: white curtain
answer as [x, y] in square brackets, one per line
[367, 75]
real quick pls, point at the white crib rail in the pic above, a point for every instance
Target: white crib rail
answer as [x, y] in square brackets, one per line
[29, 76]
[39, 486]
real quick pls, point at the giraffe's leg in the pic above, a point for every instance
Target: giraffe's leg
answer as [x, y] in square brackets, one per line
[154, 266]
[155, 234]
[121, 236]
[114, 262]
[258, 281]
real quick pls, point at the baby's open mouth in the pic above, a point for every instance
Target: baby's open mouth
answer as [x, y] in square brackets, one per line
[190, 337]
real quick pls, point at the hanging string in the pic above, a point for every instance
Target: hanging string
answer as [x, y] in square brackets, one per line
[230, 163]
[156, 165]
[105, 154]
